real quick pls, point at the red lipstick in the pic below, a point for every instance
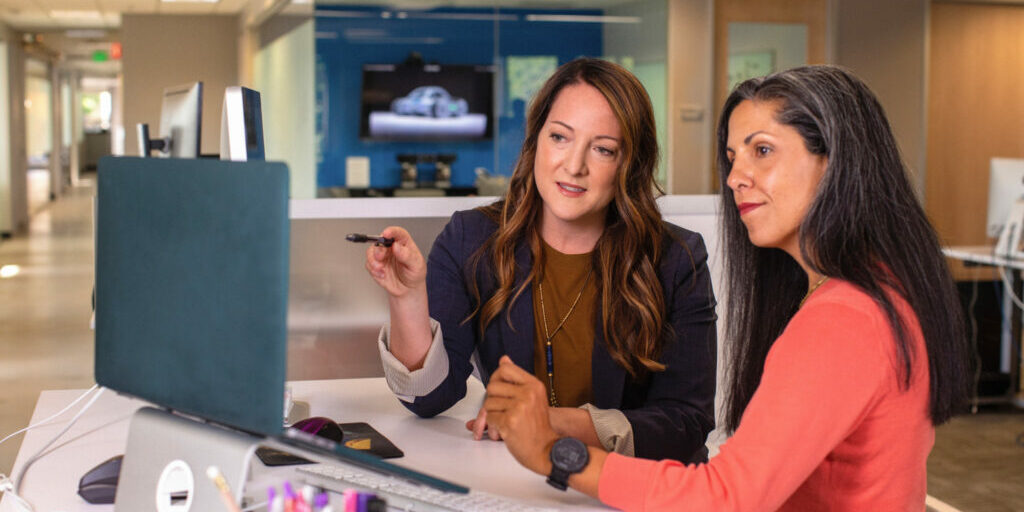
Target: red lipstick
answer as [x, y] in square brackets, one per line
[747, 207]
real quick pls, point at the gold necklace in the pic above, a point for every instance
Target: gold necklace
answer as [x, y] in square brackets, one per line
[552, 400]
[809, 292]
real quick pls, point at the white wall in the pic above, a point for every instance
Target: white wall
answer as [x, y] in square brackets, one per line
[39, 132]
[13, 174]
[283, 73]
[5, 145]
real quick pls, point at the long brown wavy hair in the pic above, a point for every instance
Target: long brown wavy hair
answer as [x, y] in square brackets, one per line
[629, 251]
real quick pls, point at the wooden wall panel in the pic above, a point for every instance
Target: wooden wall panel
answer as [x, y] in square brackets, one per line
[975, 112]
[814, 13]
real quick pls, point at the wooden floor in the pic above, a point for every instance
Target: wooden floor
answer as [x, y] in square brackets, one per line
[977, 463]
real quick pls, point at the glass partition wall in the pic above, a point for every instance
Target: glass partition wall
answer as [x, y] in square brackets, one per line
[432, 101]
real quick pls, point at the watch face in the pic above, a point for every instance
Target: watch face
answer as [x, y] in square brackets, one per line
[569, 454]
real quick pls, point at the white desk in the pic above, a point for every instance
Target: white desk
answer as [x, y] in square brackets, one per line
[439, 446]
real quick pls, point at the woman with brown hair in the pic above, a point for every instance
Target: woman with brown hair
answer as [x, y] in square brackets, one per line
[573, 275]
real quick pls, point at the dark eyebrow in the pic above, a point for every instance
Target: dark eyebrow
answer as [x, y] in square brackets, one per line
[751, 136]
[567, 127]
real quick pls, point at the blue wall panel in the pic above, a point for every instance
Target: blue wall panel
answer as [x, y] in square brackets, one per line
[349, 37]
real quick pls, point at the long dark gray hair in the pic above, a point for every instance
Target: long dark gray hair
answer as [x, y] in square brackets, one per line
[865, 226]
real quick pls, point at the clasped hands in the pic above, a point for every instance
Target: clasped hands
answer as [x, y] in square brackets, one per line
[516, 410]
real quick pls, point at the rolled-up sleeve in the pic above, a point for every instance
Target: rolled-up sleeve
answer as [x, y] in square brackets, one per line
[407, 385]
[613, 429]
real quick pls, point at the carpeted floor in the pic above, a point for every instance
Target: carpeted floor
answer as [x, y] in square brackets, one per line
[977, 464]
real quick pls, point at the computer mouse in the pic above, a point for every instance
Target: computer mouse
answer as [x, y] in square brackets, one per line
[320, 426]
[99, 484]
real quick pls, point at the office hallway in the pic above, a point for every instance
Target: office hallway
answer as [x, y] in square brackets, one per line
[45, 340]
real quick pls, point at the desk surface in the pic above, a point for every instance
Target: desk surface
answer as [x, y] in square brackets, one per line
[440, 446]
[982, 254]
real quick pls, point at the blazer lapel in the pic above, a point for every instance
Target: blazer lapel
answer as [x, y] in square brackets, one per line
[519, 343]
[608, 377]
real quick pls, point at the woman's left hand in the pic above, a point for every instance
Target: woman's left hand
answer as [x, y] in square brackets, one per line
[517, 405]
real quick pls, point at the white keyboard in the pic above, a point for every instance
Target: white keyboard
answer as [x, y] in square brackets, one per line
[406, 496]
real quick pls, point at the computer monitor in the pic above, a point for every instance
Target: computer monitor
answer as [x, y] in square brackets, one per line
[241, 126]
[181, 115]
[192, 286]
[1005, 187]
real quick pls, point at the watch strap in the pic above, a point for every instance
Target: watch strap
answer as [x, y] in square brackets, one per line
[559, 479]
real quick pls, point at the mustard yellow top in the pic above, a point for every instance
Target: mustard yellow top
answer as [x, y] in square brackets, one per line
[573, 344]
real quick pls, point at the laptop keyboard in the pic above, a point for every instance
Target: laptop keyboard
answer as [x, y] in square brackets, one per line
[402, 495]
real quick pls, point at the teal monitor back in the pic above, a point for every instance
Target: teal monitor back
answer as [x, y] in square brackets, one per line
[192, 286]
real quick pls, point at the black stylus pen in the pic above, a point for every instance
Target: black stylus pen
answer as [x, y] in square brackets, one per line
[361, 238]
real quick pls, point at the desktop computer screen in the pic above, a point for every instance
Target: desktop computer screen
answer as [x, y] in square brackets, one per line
[181, 115]
[1005, 187]
[192, 266]
[192, 286]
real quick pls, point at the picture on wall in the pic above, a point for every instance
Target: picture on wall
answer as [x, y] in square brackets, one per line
[430, 102]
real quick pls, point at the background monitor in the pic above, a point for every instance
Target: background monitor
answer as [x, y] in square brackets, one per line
[1005, 187]
[429, 102]
[181, 115]
[241, 126]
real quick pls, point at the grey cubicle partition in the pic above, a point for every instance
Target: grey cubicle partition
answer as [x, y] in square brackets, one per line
[335, 310]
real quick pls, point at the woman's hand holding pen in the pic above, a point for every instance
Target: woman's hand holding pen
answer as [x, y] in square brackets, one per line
[400, 268]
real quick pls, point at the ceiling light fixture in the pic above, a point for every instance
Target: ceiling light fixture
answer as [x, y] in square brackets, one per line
[81, 15]
[578, 18]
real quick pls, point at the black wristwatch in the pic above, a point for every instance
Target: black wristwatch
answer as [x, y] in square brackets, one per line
[568, 457]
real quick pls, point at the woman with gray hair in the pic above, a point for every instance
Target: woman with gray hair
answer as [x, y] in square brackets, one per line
[847, 341]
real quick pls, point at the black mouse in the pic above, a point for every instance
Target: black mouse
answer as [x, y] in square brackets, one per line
[99, 484]
[320, 426]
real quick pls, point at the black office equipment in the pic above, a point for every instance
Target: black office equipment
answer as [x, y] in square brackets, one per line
[99, 484]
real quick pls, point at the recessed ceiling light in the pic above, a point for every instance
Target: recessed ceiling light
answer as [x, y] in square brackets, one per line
[87, 15]
[9, 271]
[85, 34]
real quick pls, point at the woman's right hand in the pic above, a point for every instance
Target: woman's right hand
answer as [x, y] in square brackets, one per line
[399, 269]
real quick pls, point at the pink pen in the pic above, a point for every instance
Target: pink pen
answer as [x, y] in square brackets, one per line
[351, 500]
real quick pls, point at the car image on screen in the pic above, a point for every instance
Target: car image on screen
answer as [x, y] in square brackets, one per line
[431, 101]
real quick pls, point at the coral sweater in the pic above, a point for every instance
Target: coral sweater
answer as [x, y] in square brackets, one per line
[829, 427]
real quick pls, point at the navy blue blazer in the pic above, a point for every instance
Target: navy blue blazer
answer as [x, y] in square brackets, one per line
[671, 412]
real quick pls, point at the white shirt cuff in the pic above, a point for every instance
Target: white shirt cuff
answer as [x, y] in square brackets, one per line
[407, 385]
[613, 429]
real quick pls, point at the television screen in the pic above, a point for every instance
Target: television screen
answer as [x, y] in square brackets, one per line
[430, 102]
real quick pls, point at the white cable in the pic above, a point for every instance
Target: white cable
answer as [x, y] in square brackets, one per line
[38, 454]
[47, 420]
[1008, 286]
[7, 487]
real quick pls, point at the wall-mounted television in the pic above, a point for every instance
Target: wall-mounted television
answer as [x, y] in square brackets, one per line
[428, 102]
